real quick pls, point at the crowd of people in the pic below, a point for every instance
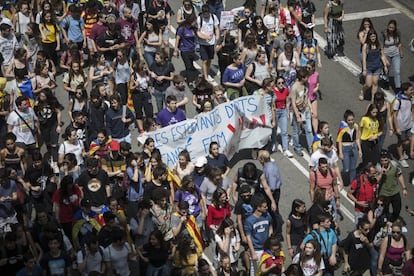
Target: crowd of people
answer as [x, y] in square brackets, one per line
[89, 204]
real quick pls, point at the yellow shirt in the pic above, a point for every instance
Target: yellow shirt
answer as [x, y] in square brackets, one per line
[189, 265]
[369, 127]
[50, 32]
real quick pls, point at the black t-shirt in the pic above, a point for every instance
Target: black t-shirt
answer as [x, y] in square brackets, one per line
[153, 9]
[243, 209]
[307, 10]
[104, 237]
[244, 26]
[157, 256]
[96, 117]
[40, 177]
[359, 257]
[314, 212]
[105, 41]
[46, 115]
[14, 260]
[150, 187]
[94, 187]
[202, 95]
[163, 69]
[56, 266]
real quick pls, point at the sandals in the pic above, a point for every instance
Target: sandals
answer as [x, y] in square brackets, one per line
[361, 95]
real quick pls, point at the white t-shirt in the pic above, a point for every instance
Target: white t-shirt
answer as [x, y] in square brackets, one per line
[208, 27]
[271, 22]
[93, 262]
[20, 129]
[233, 241]
[331, 156]
[118, 258]
[75, 148]
[309, 267]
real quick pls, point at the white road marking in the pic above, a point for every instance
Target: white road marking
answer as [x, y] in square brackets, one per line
[347, 63]
[305, 172]
[360, 15]
[401, 8]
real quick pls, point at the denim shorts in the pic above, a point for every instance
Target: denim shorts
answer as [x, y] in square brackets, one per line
[405, 135]
[373, 71]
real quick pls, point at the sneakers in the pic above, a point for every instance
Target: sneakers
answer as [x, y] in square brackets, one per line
[210, 79]
[279, 148]
[299, 152]
[288, 154]
[405, 156]
[55, 168]
[404, 163]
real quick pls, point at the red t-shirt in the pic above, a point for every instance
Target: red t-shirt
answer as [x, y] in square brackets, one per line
[216, 216]
[366, 192]
[69, 205]
[281, 97]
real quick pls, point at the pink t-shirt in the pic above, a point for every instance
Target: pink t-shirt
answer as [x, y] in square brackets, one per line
[324, 182]
[312, 82]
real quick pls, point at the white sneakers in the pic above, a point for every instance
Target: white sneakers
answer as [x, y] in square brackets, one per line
[405, 156]
[404, 163]
[288, 154]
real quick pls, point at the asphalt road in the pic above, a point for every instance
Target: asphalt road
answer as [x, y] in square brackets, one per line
[340, 89]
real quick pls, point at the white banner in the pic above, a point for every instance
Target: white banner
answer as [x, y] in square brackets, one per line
[240, 124]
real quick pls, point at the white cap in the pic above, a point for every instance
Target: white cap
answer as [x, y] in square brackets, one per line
[200, 162]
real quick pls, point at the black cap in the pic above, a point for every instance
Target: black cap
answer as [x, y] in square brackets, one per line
[385, 153]
[85, 203]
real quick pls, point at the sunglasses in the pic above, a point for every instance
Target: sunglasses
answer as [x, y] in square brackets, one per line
[396, 232]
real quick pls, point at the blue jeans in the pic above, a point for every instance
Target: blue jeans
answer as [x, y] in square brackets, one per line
[149, 58]
[282, 122]
[395, 62]
[217, 8]
[350, 162]
[307, 125]
[159, 99]
[374, 260]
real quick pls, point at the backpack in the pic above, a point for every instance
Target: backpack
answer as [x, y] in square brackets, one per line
[255, 185]
[398, 98]
[316, 178]
[358, 187]
[100, 250]
[201, 19]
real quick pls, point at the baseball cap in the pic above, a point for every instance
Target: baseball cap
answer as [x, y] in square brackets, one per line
[200, 162]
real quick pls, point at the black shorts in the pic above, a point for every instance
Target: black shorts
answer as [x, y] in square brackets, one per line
[206, 52]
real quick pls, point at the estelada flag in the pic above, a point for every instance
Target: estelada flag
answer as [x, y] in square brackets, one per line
[25, 88]
[194, 232]
[130, 103]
